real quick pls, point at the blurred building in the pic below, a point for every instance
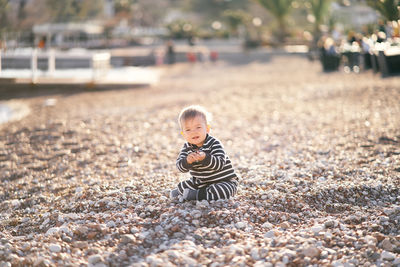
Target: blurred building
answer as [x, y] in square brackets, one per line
[66, 35]
[354, 14]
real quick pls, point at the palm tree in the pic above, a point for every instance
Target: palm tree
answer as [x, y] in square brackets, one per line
[234, 19]
[280, 9]
[4, 23]
[388, 8]
[319, 9]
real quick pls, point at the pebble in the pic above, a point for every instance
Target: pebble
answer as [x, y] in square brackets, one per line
[387, 245]
[240, 225]
[128, 238]
[55, 248]
[95, 259]
[311, 252]
[316, 229]
[388, 256]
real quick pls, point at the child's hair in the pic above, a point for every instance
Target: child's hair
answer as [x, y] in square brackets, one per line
[194, 111]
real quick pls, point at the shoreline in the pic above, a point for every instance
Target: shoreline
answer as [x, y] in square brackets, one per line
[12, 110]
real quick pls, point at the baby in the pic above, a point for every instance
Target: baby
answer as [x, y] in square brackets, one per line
[203, 156]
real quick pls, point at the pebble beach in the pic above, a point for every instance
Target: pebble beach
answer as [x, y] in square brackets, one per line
[85, 176]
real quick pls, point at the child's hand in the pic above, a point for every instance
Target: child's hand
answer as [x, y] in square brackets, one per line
[195, 156]
[191, 158]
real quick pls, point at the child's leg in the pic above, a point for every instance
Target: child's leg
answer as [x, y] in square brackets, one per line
[179, 190]
[223, 190]
[186, 184]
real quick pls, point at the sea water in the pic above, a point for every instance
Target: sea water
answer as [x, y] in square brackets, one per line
[12, 110]
[5, 113]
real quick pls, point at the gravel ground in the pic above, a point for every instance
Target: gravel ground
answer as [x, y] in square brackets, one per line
[85, 177]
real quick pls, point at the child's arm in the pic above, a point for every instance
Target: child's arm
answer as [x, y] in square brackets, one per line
[182, 162]
[215, 160]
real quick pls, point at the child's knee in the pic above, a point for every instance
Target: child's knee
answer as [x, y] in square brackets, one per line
[221, 191]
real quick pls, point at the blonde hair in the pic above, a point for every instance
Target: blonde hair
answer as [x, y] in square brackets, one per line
[194, 111]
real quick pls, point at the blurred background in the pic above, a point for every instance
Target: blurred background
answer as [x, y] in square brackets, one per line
[119, 23]
[98, 34]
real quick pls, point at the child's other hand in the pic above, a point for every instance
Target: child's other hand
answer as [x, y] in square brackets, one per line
[191, 158]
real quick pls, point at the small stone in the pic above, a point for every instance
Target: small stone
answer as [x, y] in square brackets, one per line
[94, 259]
[80, 244]
[40, 262]
[240, 225]
[111, 224]
[91, 235]
[324, 254]
[255, 254]
[379, 236]
[82, 230]
[55, 248]
[317, 228]
[285, 225]
[154, 261]
[311, 252]
[269, 234]
[388, 256]
[267, 225]
[387, 245]
[52, 231]
[128, 238]
[175, 228]
[15, 203]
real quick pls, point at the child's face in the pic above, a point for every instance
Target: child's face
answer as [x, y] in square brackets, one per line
[195, 130]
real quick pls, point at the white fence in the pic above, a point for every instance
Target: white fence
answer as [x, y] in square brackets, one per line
[97, 61]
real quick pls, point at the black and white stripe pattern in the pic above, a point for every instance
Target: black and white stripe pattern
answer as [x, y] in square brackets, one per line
[214, 176]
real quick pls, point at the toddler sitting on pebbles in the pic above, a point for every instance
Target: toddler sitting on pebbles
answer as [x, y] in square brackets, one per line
[203, 156]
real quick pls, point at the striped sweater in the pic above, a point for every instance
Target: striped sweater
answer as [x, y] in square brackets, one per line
[216, 166]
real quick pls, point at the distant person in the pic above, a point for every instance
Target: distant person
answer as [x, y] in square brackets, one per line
[351, 37]
[203, 156]
[329, 46]
[381, 26]
[42, 43]
[214, 56]
[192, 40]
[2, 45]
[170, 52]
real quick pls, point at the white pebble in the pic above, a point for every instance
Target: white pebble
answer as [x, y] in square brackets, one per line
[240, 225]
[317, 228]
[388, 256]
[55, 248]
[94, 259]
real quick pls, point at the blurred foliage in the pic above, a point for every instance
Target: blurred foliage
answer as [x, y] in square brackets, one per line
[212, 9]
[3, 16]
[319, 9]
[74, 10]
[144, 13]
[389, 9]
[280, 9]
[234, 19]
[180, 29]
